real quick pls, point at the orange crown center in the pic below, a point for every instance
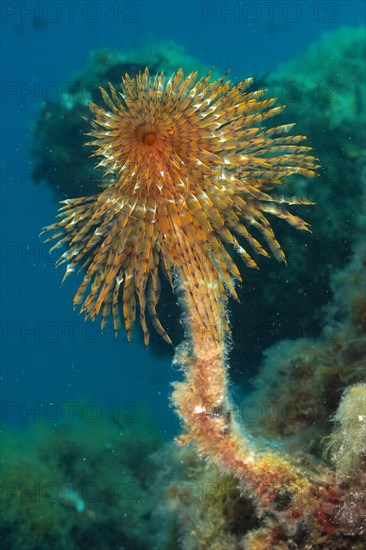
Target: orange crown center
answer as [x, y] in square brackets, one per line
[149, 139]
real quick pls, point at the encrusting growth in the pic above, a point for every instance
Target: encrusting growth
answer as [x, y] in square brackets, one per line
[192, 170]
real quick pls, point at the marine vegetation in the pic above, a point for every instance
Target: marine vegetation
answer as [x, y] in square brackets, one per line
[190, 167]
[79, 483]
[303, 379]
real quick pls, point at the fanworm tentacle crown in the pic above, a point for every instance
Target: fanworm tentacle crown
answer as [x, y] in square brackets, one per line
[190, 166]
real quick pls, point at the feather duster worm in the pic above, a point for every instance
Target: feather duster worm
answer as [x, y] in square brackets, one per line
[191, 173]
[184, 162]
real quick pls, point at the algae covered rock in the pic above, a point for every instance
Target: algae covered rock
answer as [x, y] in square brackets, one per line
[348, 451]
[79, 484]
[348, 440]
[300, 383]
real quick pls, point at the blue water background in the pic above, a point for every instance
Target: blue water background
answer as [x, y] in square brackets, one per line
[64, 360]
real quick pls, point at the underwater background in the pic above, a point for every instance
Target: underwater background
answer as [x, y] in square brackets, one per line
[82, 406]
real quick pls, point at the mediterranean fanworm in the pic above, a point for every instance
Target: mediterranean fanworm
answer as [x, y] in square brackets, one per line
[193, 172]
